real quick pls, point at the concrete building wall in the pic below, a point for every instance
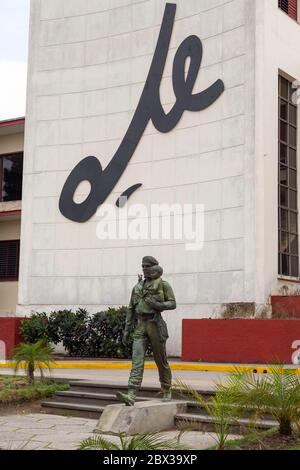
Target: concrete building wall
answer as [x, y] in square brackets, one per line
[278, 37]
[87, 67]
[11, 143]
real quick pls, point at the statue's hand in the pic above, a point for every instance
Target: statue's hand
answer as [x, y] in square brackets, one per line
[155, 304]
[125, 339]
[150, 300]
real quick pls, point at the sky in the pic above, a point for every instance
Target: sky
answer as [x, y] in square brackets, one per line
[14, 25]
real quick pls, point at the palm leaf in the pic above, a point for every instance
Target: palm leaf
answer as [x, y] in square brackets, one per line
[153, 441]
[97, 443]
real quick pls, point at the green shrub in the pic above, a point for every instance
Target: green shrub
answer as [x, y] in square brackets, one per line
[105, 332]
[71, 328]
[17, 390]
[35, 328]
[82, 334]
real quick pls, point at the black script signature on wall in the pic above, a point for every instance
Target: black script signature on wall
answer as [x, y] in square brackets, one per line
[149, 108]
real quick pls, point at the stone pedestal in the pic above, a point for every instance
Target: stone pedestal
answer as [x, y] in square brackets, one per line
[150, 416]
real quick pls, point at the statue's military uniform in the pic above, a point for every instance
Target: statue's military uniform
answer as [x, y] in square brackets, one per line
[150, 327]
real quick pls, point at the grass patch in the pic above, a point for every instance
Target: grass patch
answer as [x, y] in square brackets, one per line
[19, 390]
[266, 440]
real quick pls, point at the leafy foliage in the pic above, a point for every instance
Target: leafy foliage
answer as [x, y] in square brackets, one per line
[33, 355]
[145, 441]
[82, 334]
[35, 328]
[276, 394]
[18, 390]
[218, 407]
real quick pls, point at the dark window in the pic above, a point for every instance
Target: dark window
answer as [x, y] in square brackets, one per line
[289, 7]
[11, 171]
[287, 181]
[9, 260]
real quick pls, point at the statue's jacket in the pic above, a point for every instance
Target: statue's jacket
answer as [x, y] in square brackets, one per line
[157, 289]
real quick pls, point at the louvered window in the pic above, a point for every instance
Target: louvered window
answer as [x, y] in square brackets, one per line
[9, 260]
[289, 7]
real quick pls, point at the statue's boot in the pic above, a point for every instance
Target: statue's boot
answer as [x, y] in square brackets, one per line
[166, 395]
[129, 398]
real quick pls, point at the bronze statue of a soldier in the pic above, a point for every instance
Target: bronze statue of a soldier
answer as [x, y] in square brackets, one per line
[149, 297]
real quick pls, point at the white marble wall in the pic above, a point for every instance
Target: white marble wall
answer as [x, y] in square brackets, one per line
[88, 63]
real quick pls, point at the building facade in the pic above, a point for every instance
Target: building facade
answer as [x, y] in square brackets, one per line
[225, 138]
[11, 170]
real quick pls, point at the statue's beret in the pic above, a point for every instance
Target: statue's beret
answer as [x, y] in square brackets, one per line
[150, 260]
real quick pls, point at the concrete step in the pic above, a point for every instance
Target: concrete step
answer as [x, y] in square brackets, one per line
[72, 409]
[195, 409]
[204, 422]
[88, 398]
[98, 387]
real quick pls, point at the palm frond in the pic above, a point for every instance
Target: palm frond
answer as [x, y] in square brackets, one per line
[153, 441]
[183, 389]
[97, 443]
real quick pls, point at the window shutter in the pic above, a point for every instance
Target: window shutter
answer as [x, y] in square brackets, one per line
[293, 9]
[9, 259]
[289, 7]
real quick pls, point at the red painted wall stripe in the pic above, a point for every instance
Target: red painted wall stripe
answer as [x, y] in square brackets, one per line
[12, 122]
[285, 306]
[239, 341]
[10, 333]
[10, 213]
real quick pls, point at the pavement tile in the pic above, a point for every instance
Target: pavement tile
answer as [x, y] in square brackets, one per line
[62, 446]
[29, 425]
[16, 436]
[21, 445]
[42, 432]
[65, 419]
[63, 437]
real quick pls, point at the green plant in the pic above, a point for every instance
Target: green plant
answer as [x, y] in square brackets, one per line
[37, 355]
[145, 441]
[254, 437]
[218, 407]
[18, 390]
[276, 394]
[35, 328]
[71, 328]
[82, 334]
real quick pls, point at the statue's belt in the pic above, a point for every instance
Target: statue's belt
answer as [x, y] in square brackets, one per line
[146, 316]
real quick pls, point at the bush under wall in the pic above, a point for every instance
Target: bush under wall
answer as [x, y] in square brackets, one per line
[82, 334]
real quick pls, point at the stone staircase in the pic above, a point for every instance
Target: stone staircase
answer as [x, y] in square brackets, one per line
[88, 399]
[196, 418]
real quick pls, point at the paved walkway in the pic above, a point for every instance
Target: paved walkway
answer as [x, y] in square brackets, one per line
[196, 379]
[49, 432]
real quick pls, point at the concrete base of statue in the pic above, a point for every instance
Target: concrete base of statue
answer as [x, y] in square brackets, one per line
[150, 416]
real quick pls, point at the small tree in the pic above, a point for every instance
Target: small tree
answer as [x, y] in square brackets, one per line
[277, 394]
[219, 407]
[34, 356]
[145, 441]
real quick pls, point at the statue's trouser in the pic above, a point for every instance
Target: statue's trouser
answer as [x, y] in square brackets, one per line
[148, 331]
